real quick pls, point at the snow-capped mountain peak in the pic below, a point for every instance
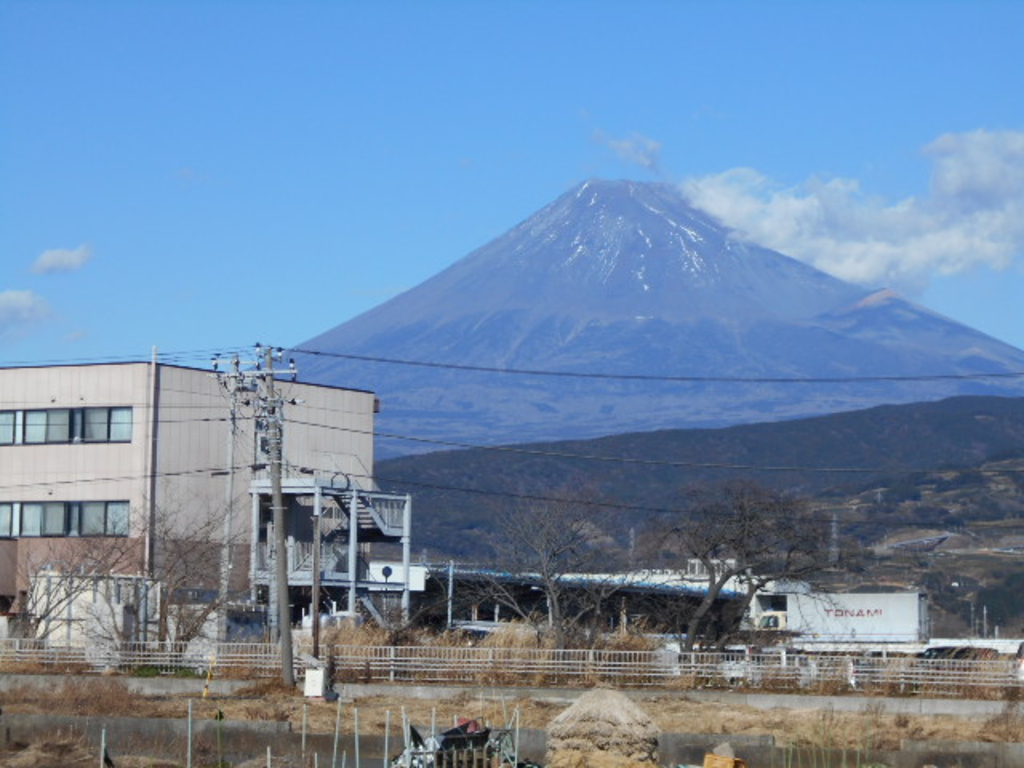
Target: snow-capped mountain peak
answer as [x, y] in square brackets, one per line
[622, 277]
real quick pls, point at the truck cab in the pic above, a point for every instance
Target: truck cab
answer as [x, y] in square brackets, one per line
[772, 620]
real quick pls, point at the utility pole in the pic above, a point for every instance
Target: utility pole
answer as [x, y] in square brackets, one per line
[269, 419]
[451, 592]
[316, 575]
[273, 405]
[833, 542]
[235, 382]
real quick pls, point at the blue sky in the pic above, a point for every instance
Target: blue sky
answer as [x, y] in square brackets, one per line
[204, 175]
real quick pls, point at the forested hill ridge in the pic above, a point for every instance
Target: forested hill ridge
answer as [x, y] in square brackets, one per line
[883, 451]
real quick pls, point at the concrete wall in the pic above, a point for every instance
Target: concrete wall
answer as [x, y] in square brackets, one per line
[971, 708]
[168, 686]
[147, 686]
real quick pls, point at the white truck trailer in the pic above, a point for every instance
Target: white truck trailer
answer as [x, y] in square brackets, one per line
[848, 617]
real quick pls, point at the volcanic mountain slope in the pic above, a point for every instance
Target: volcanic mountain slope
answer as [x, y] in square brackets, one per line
[624, 284]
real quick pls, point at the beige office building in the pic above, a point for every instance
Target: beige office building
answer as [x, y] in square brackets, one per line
[159, 473]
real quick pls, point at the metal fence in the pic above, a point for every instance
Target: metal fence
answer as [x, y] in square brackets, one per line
[500, 666]
[824, 673]
[473, 665]
[241, 660]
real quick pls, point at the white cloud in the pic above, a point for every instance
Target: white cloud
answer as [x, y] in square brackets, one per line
[635, 148]
[62, 260]
[19, 310]
[973, 215]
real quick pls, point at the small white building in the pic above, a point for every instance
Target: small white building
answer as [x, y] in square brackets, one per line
[79, 610]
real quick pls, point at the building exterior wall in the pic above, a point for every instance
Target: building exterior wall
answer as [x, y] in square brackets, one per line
[76, 471]
[8, 572]
[83, 470]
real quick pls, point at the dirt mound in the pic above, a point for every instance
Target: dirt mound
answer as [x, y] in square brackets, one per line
[602, 728]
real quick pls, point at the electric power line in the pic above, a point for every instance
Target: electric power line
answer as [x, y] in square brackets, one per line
[406, 482]
[162, 358]
[646, 462]
[664, 378]
[568, 455]
[129, 478]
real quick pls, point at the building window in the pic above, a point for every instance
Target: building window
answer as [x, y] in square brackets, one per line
[48, 519]
[104, 518]
[117, 518]
[62, 425]
[35, 426]
[107, 425]
[54, 520]
[6, 520]
[58, 425]
[97, 424]
[31, 519]
[120, 424]
[7, 427]
[53, 426]
[87, 518]
[94, 516]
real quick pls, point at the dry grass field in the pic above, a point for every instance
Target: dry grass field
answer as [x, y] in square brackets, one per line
[801, 728]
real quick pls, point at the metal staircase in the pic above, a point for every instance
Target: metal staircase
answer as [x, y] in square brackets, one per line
[367, 602]
[346, 521]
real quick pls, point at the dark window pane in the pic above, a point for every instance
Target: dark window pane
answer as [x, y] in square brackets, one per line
[74, 519]
[6, 518]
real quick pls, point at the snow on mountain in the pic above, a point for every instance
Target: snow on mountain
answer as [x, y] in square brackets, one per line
[626, 278]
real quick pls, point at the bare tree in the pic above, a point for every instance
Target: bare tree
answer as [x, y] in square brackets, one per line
[555, 550]
[60, 576]
[745, 536]
[185, 567]
[187, 552]
[94, 588]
